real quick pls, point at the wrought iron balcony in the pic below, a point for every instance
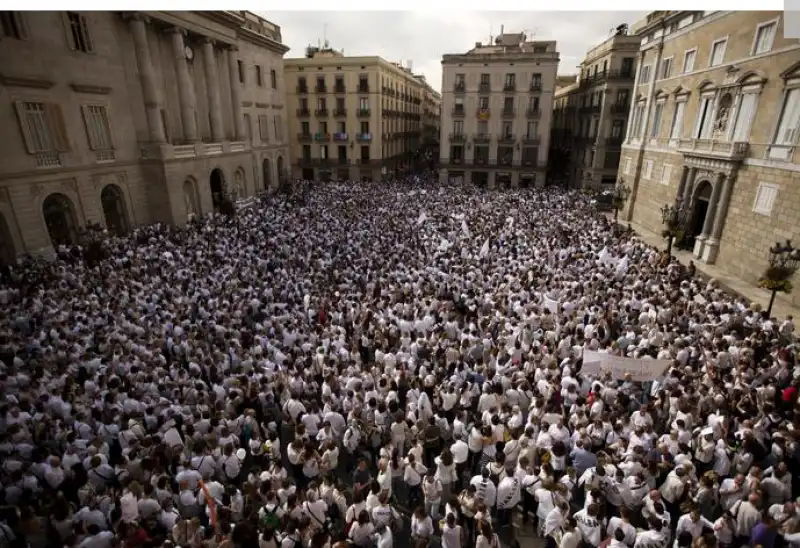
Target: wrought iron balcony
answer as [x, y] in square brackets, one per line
[533, 112]
[321, 112]
[339, 88]
[363, 112]
[321, 88]
[340, 137]
[340, 112]
[484, 88]
[510, 86]
[364, 137]
[508, 113]
[303, 112]
[322, 137]
[482, 138]
[305, 137]
[535, 86]
[531, 140]
[302, 89]
[505, 138]
[620, 108]
[457, 137]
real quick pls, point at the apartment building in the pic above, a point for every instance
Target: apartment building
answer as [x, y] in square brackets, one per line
[431, 112]
[590, 114]
[497, 104]
[354, 118]
[714, 126]
[130, 118]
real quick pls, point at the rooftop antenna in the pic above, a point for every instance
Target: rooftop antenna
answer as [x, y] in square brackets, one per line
[490, 35]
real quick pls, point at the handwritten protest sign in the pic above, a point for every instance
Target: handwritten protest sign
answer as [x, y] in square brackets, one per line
[598, 363]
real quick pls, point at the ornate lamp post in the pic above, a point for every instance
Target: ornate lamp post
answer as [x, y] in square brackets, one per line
[673, 217]
[783, 262]
[621, 194]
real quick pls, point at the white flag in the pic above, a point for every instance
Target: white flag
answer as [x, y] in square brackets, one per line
[422, 218]
[485, 249]
[465, 228]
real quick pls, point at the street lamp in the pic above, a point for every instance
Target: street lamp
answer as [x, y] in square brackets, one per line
[783, 262]
[621, 194]
[673, 217]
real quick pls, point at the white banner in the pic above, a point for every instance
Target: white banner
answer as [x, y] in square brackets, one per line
[484, 249]
[422, 218]
[598, 363]
[465, 228]
[551, 305]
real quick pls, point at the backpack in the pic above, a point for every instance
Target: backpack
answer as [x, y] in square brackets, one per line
[270, 519]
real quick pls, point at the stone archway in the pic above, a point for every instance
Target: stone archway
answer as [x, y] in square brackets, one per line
[190, 197]
[8, 255]
[239, 187]
[59, 217]
[113, 201]
[217, 183]
[266, 173]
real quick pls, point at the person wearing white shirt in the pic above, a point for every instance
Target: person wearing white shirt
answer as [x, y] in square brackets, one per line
[421, 525]
[590, 525]
[383, 537]
[452, 533]
[692, 523]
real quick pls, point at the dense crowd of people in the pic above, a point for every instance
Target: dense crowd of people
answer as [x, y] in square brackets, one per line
[374, 364]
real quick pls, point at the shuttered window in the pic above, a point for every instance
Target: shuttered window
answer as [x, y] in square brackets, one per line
[98, 130]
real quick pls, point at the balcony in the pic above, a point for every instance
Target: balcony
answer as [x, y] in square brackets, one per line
[322, 137]
[303, 112]
[342, 161]
[321, 112]
[457, 137]
[305, 137]
[484, 87]
[510, 87]
[321, 88]
[508, 113]
[456, 161]
[364, 161]
[504, 162]
[620, 108]
[531, 140]
[363, 88]
[482, 138]
[726, 150]
[459, 87]
[481, 161]
[533, 113]
[302, 90]
[48, 159]
[339, 88]
[528, 162]
[620, 74]
[363, 113]
[483, 113]
[364, 137]
[613, 141]
[590, 109]
[340, 137]
[505, 138]
[339, 112]
[535, 87]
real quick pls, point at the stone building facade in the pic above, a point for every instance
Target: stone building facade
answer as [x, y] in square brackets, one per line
[714, 125]
[352, 118]
[591, 114]
[497, 108]
[126, 119]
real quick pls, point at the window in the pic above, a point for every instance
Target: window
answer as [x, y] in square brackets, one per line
[458, 127]
[365, 127]
[627, 166]
[340, 104]
[259, 82]
[788, 126]
[342, 153]
[323, 152]
[645, 76]
[323, 128]
[363, 82]
[536, 80]
[483, 103]
[638, 119]
[648, 169]
[78, 36]
[704, 124]
[306, 152]
[98, 130]
[688, 60]
[744, 116]
[508, 104]
[666, 68]
[533, 104]
[532, 130]
[622, 97]
[507, 129]
[677, 120]
[483, 127]
[42, 127]
[459, 80]
[485, 79]
[263, 127]
[305, 128]
[240, 66]
[320, 83]
[511, 81]
[656, 126]
[765, 35]
[277, 122]
[273, 76]
[365, 152]
[302, 85]
[322, 104]
[765, 198]
[666, 173]
[685, 22]
[717, 52]
[12, 25]
[617, 128]
[341, 127]
[363, 103]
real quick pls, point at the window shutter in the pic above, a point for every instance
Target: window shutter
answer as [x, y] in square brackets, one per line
[56, 120]
[87, 37]
[24, 128]
[67, 30]
[107, 127]
[90, 130]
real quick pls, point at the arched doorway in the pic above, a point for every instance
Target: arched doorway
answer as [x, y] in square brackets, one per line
[217, 182]
[190, 197]
[281, 174]
[239, 191]
[59, 217]
[267, 173]
[113, 202]
[702, 195]
[7, 254]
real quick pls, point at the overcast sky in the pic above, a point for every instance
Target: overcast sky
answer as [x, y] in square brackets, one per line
[424, 37]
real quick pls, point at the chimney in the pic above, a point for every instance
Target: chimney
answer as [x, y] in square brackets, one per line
[502, 28]
[477, 44]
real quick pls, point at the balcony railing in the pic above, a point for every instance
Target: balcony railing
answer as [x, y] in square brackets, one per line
[484, 88]
[505, 138]
[533, 112]
[340, 112]
[529, 162]
[483, 113]
[481, 161]
[620, 74]
[364, 112]
[305, 137]
[458, 111]
[458, 137]
[364, 161]
[730, 150]
[613, 141]
[482, 138]
[321, 88]
[322, 137]
[321, 112]
[531, 140]
[505, 162]
[590, 109]
[303, 112]
[510, 86]
[105, 155]
[456, 161]
[340, 137]
[302, 90]
[620, 108]
[460, 87]
[535, 86]
[363, 89]
[342, 161]
[48, 159]
[339, 88]
[364, 137]
[508, 113]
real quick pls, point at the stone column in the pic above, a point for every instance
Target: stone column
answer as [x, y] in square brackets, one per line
[687, 189]
[702, 242]
[682, 185]
[212, 87]
[152, 104]
[236, 96]
[722, 209]
[185, 86]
